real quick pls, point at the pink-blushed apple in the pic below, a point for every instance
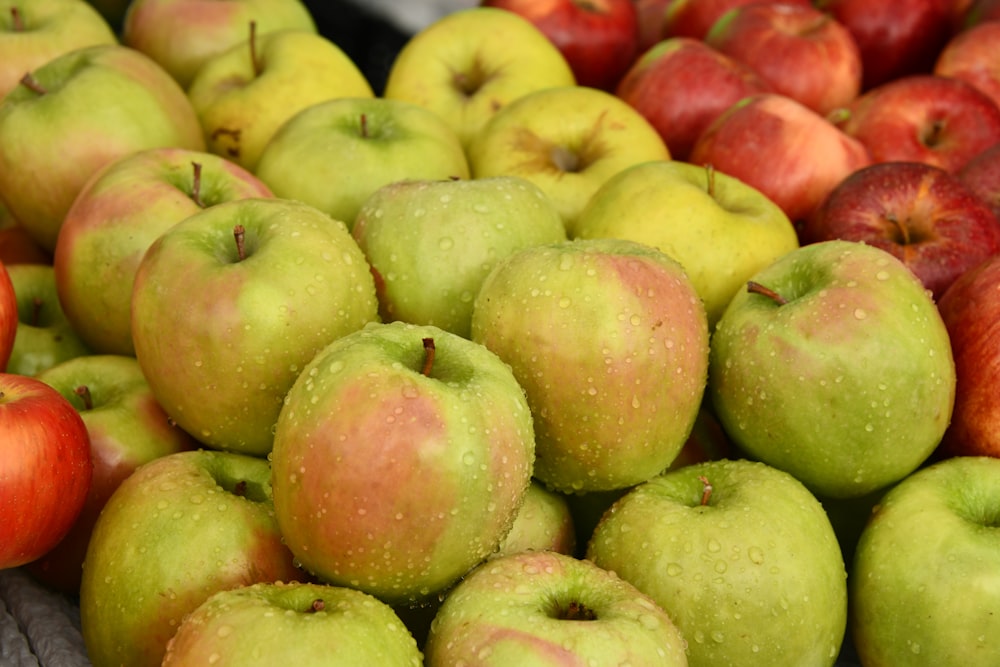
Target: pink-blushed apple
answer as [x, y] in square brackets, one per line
[401, 456]
[114, 219]
[8, 316]
[599, 38]
[609, 339]
[681, 84]
[973, 55]
[981, 174]
[694, 18]
[924, 118]
[923, 215]
[779, 146]
[544, 522]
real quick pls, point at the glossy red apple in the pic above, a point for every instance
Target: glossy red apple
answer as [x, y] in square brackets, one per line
[8, 316]
[802, 52]
[920, 213]
[682, 84]
[981, 174]
[598, 38]
[694, 18]
[973, 56]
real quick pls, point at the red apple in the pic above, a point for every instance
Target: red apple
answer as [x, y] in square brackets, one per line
[789, 152]
[981, 174]
[598, 38]
[981, 11]
[920, 213]
[973, 56]
[799, 50]
[8, 316]
[651, 15]
[45, 468]
[694, 18]
[924, 118]
[971, 312]
[681, 85]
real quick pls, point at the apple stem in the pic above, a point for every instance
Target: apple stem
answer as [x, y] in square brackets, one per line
[577, 611]
[904, 232]
[317, 605]
[710, 178]
[239, 234]
[196, 185]
[17, 19]
[706, 491]
[83, 391]
[36, 311]
[254, 59]
[429, 351]
[757, 288]
[31, 83]
[364, 126]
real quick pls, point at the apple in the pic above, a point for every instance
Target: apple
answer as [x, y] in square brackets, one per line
[537, 608]
[48, 149]
[651, 14]
[980, 11]
[544, 522]
[34, 32]
[431, 244]
[16, 244]
[981, 174]
[468, 64]
[923, 586]
[181, 35]
[923, 215]
[222, 340]
[363, 143]
[923, 118]
[681, 84]
[178, 529]
[973, 55]
[567, 140]
[127, 428]
[969, 310]
[8, 316]
[401, 456]
[742, 558]
[244, 94]
[301, 623]
[114, 219]
[44, 336]
[721, 230]
[599, 38]
[801, 51]
[45, 468]
[834, 365]
[779, 146]
[694, 18]
[609, 339]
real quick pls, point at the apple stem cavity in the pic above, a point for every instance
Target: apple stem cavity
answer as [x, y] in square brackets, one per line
[83, 391]
[36, 312]
[254, 58]
[565, 159]
[31, 83]
[756, 288]
[706, 490]
[196, 185]
[932, 137]
[316, 605]
[429, 351]
[577, 611]
[239, 235]
[240, 489]
[17, 19]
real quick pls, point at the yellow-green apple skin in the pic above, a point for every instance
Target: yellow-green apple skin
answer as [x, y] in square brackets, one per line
[49, 148]
[609, 339]
[182, 35]
[842, 375]
[117, 216]
[34, 32]
[223, 339]
[242, 100]
[720, 229]
[360, 144]
[543, 523]
[568, 141]
[473, 62]
[431, 244]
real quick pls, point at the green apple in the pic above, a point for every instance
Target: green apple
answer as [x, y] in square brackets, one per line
[231, 303]
[300, 624]
[49, 149]
[925, 583]
[117, 216]
[539, 608]
[33, 32]
[470, 63]
[431, 244]
[610, 341]
[740, 555]
[182, 34]
[246, 93]
[177, 530]
[44, 336]
[361, 144]
[720, 229]
[543, 523]
[568, 140]
[401, 457]
[834, 365]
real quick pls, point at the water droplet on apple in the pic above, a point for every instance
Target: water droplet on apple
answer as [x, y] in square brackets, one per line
[756, 555]
[714, 546]
[446, 243]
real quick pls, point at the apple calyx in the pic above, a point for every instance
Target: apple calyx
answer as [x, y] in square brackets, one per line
[429, 351]
[931, 137]
[196, 185]
[316, 605]
[254, 57]
[31, 83]
[83, 391]
[17, 21]
[756, 288]
[706, 490]
[239, 235]
[240, 489]
[471, 80]
[577, 611]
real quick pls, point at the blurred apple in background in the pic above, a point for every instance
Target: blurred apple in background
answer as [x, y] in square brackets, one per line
[431, 244]
[182, 34]
[599, 38]
[49, 149]
[973, 55]
[923, 118]
[361, 144]
[224, 313]
[8, 316]
[923, 215]
[544, 522]
[981, 11]
[680, 85]
[568, 141]
[16, 244]
[650, 14]
[981, 175]
[779, 146]
[114, 219]
[246, 93]
[694, 18]
[471, 63]
[609, 339]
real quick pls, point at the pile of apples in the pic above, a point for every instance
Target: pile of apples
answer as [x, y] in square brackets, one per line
[650, 332]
